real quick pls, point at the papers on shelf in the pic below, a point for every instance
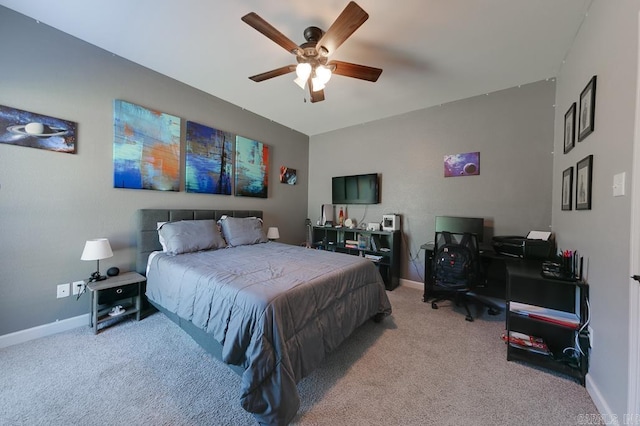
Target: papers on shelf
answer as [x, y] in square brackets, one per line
[567, 319]
[529, 343]
[373, 257]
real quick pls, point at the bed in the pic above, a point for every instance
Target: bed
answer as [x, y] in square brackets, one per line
[271, 311]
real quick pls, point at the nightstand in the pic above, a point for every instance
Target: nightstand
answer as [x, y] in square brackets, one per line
[124, 290]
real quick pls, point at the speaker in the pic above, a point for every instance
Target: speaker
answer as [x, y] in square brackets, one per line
[327, 215]
[113, 271]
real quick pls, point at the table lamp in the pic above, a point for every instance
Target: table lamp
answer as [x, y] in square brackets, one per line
[96, 249]
[272, 233]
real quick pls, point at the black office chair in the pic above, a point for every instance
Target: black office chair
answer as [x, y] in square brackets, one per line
[456, 271]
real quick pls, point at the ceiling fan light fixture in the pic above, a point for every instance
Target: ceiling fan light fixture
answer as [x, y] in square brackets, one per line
[323, 73]
[300, 82]
[303, 71]
[316, 84]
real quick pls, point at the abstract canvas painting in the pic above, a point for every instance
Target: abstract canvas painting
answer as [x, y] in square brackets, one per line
[252, 168]
[146, 148]
[24, 128]
[467, 164]
[288, 175]
[208, 160]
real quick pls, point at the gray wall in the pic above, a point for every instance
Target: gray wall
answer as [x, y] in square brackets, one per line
[513, 131]
[606, 46]
[50, 203]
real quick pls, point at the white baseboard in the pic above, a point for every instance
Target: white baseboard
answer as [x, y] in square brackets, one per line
[43, 330]
[608, 416]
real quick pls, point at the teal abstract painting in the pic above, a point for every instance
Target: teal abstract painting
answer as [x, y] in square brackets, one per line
[252, 168]
[146, 148]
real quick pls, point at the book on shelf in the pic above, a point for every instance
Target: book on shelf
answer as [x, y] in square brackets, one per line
[526, 342]
[566, 319]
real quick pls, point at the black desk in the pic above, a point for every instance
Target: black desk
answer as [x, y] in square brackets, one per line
[493, 272]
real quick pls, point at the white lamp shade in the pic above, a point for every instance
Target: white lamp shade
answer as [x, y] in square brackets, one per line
[316, 84]
[300, 82]
[323, 73]
[96, 249]
[303, 71]
[272, 233]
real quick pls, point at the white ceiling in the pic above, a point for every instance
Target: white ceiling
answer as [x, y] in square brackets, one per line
[431, 51]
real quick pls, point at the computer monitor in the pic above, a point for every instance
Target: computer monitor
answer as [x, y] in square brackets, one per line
[460, 225]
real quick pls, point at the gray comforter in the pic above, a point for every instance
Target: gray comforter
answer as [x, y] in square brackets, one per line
[276, 309]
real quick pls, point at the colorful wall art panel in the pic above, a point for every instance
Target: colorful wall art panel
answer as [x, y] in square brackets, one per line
[146, 148]
[24, 128]
[208, 162]
[252, 166]
[462, 164]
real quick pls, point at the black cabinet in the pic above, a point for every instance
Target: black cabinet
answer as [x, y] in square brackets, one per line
[382, 247]
[547, 320]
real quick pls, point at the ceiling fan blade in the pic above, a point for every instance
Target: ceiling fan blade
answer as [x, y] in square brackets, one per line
[273, 73]
[362, 72]
[349, 20]
[271, 32]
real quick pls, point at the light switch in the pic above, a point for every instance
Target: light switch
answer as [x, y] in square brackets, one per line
[618, 184]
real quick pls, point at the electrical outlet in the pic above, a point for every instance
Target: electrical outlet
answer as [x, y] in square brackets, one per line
[63, 290]
[77, 287]
[590, 337]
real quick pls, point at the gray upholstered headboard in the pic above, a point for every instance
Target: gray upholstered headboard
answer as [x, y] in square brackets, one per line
[147, 223]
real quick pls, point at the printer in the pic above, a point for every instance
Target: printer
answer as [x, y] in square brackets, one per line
[536, 245]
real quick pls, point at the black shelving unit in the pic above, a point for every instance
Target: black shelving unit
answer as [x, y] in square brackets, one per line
[383, 244]
[555, 311]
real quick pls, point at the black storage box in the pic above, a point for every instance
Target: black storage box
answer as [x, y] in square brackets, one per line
[524, 247]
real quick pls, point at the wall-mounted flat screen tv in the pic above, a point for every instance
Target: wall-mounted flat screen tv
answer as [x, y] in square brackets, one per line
[356, 189]
[460, 225]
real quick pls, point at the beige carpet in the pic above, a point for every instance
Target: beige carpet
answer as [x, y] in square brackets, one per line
[419, 367]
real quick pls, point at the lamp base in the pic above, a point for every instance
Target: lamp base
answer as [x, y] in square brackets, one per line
[97, 277]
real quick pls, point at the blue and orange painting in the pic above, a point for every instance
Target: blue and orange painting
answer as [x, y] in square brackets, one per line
[467, 164]
[146, 148]
[208, 160]
[252, 168]
[24, 128]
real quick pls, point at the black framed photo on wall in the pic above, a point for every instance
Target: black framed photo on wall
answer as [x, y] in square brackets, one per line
[570, 128]
[567, 188]
[584, 175]
[587, 113]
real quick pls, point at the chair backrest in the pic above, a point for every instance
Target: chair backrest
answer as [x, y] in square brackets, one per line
[456, 260]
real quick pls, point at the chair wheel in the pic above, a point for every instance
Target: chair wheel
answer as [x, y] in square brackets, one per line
[493, 311]
[433, 305]
[469, 318]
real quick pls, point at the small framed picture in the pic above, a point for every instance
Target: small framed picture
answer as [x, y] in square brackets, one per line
[567, 188]
[570, 128]
[587, 113]
[584, 174]
[288, 175]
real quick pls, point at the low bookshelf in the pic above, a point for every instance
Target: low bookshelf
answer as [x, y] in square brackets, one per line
[547, 320]
[381, 247]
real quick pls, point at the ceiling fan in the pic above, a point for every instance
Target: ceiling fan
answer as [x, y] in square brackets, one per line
[314, 69]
